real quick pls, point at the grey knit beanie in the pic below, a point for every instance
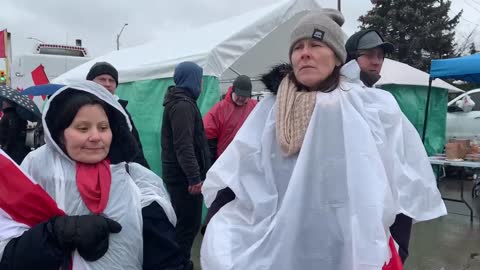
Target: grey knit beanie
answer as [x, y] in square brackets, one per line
[324, 25]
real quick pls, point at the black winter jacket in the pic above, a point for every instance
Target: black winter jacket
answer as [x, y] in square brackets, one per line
[140, 157]
[185, 152]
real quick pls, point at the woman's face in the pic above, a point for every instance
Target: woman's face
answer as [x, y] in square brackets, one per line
[89, 136]
[313, 61]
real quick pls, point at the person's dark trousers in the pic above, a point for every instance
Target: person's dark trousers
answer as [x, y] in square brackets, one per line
[401, 230]
[188, 209]
[223, 197]
[160, 247]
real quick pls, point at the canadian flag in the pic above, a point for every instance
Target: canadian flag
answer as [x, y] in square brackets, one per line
[22, 200]
[23, 203]
[23, 82]
[395, 261]
[39, 77]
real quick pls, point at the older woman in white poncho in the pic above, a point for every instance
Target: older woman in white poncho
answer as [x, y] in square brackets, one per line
[320, 169]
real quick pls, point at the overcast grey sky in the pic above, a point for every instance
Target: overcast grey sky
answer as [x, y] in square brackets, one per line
[97, 22]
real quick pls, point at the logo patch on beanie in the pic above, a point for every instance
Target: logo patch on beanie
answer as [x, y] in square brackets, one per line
[318, 34]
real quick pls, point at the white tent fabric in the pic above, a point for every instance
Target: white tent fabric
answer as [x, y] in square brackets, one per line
[394, 72]
[249, 43]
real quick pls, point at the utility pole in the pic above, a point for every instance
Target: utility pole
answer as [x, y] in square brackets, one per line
[118, 36]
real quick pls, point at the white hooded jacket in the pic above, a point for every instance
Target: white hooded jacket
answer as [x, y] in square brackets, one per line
[129, 193]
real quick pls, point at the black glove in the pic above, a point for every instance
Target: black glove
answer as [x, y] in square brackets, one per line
[88, 234]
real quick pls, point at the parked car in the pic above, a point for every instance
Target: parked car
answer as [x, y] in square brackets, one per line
[464, 124]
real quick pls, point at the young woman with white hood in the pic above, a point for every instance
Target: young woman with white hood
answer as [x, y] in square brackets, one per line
[116, 213]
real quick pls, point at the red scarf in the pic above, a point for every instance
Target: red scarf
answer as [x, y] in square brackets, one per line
[93, 183]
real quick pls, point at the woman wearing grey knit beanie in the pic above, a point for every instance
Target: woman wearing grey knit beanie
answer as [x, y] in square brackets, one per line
[320, 169]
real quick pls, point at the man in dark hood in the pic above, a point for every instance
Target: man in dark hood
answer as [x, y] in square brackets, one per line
[185, 152]
[368, 48]
[188, 76]
[106, 75]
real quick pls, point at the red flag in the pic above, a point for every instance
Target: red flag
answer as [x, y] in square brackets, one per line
[22, 199]
[39, 76]
[395, 262]
[3, 51]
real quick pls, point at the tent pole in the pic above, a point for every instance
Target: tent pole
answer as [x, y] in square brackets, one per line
[427, 107]
[234, 71]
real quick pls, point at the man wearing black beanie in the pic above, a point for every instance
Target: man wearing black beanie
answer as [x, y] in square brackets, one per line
[106, 75]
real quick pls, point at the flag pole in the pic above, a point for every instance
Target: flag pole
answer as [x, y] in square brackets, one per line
[8, 50]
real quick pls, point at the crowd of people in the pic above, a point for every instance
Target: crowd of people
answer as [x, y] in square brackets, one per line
[325, 173]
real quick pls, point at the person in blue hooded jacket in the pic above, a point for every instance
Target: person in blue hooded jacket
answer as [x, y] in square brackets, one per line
[185, 152]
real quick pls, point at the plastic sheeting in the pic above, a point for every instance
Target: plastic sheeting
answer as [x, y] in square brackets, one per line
[412, 100]
[145, 104]
[331, 205]
[466, 103]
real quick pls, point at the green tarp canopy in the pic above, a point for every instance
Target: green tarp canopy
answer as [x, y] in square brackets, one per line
[409, 86]
[412, 101]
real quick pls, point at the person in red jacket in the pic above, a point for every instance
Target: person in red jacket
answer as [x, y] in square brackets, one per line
[225, 118]
[221, 123]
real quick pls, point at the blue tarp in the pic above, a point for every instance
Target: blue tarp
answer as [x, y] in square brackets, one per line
[466, 68]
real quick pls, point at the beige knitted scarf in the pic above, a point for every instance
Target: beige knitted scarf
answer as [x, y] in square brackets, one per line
[294, 110]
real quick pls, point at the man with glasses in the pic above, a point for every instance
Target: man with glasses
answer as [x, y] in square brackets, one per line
[222, 123]
[368, 48]
[224, 120]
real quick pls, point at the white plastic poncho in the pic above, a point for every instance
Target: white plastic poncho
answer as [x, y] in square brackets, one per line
[331, 205]
[55, 172]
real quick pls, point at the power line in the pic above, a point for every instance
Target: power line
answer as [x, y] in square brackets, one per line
[476, 2]
[469, 21]
[468, 3]
[462, 17]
